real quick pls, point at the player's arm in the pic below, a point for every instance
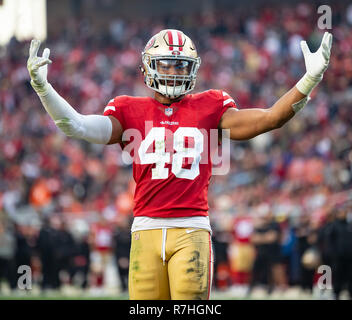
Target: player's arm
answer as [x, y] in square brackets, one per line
[248, 123]
[116, 132]
[92, 128]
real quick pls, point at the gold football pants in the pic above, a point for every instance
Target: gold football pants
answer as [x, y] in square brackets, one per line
[175, 263]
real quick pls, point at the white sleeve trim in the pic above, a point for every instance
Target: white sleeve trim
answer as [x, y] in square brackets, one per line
[110, 108]
[228, 101]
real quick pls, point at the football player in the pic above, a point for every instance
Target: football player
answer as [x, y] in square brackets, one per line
[171, 251]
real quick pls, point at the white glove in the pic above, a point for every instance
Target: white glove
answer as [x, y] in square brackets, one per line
[316, 64]
[38, 67]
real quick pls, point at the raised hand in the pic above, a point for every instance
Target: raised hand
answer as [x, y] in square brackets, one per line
[317, 62]
[38, 66]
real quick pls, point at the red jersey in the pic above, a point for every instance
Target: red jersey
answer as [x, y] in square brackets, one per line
[102, 237]
[243, 229]
[172, 164]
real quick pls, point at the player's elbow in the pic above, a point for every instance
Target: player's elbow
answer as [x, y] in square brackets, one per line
[279, 124]
[274, 121]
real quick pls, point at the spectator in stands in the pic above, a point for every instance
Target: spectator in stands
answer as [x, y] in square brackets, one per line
[306, 240]
[7, 255]
[121, 247]
[325, 243]
[222, 276]
[81, 255]
[24, 247]
[64, 249]
[266, 239]
[341, 238]
[46, 247]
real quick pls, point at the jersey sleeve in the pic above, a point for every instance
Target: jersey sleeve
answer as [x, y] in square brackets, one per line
[115, 108]
[226, 102]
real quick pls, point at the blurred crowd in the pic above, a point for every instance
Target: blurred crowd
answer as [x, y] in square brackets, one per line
[65, 205]
[65, 254]
[275, 253]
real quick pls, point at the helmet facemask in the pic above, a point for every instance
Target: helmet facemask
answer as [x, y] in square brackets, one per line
[158, 78]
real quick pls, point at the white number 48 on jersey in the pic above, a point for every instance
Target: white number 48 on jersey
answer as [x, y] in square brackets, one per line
[160, 157]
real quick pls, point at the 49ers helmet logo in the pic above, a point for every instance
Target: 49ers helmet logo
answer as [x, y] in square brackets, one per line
[150, 43]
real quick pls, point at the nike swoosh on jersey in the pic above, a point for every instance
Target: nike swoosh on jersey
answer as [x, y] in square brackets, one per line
[190, 230]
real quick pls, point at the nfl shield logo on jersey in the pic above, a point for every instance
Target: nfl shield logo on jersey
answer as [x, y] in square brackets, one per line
[168, 111]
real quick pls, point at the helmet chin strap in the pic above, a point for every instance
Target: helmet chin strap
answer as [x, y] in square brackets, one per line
[172, 92]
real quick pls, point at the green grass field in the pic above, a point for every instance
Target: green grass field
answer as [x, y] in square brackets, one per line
[69, 292]
[124, 296]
